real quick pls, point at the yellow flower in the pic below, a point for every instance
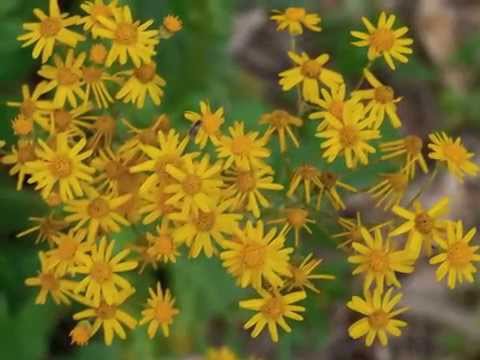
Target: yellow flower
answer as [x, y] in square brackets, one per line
[381, 100]
[19, 158]
[411, 147]
[109, 316]
[197, 187]
[47, 227]
[50, 283]
[111, 171]
[457, 255]
[220, 353]
[244, 188]
[390, 190]
[162, 245]
[155, 205]
[349, 136]
[60, 165]
[97, 54]
[95, 79]
[307, 174]
[246, 150]
[129, 38]
[97, 213]
[171, 24]
[310, 73]
[294, 19]
[379, 261]
[95, 9]
[51, 28]
[81, 333]
[332, 104]
[272, 309]
[379, 316]
[302, 274]
[383, 40]
[209, 123]
[101, 268]
[454, 153]
[160, 311]
[252, 256]
[103, 128]
[163, 150]
[22, 126]
[296, 218]
[142, 81]
[73, 121]
[328, 184]
[281, 122]
[423, 226]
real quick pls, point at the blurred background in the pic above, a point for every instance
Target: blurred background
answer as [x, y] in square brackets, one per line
[230, 53]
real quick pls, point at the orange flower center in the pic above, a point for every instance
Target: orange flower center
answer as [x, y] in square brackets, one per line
[205, 221]
[336, 109]
[459, 254]
[254, 255]
[384, 94]
[424, 223]
[28, 108]
[273, 308]
[311, 69]
[66, 77]
[92, 74]
[382, 39]
[379, 261]
[455, 153]
[98, 53]
[192, 184]
[246, 181]
[241, 145]
[50, 27]
[67, 248]
[22, 126]
[145, 73]
[297, 217]
[349, 136]
[413, 145]
[163, 312]
[62, 120]
[105, 311]
[398, 182]
[279, 119]
[105, 123]
[307, 172]
[98, 10]
[378, 319]
[101, 272]
[126, 34]
[49, 282]
[148, 136]
[98, 208]
[211, 123]
[295, 14]
[61, 167]
[163, 245]
[25, 153]
[81, 334]
[114, 169]
[172, 24]
[328, 179]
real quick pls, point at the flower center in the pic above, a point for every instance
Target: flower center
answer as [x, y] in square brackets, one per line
[398, 182]
[459, 254]
[382, 39]
[379, 261]
[378, 319]
[105, 123]
[295, 14]
[98, 53]
[126, 33]
[98, 10]
[62, 120]
[254, 255]
[455, 153]
[336, 109]
[279, 119]
[101, 272]
[26, 153]
[66, 77]
[273, 308]
[424, 223]
[114, 169]
[61, 167]
[211, 123]
[98, 208]
[349, 136]
[205, 221]
[145, 73]
[172, 23]
[299, 276]
[192, 184]
[81, 334]
[163, 245]
[67, 248]
[49, 281]
[28, 108]
[307, 172]
[148, 137]
[22, 126]
[246, 181]
[413, 145]
[105, 311]
[163, 312]
[311, 69]
[241, 145]
[384, 94]
[297, 217]
[50, 27]
[92, 74]
[328, 179]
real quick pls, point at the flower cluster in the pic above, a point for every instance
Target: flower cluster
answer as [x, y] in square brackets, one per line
[210, 192]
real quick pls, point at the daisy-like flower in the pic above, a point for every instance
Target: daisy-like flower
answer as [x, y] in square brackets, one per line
[22, 126]
[201, 229]
[220, 353]
[101, 268]
[209, 123]
[162, 245]
[309, 73]
[110, 317]
[197, 185]
[296, 218]
[280, 121]
[51, 28]
[155, 205]
[328, 184]
[97, 213]
[31, 107]
[293, 19]
[159, 312]
[383, 40]
[423, 226]
[379, 316]
[95, 9]
[81, 333]
[381, 100]
[18, 158]
[309, 176]
[66, 77]
[390, 190]
[244, 188]
[60, 166]
[142, 81]
[453, 153]
[165, 149]
[409, 147]
[245, 150]
[72, 121]
[254, 257]
[332, 103]
[47, 228]
[96, 78]
[302, 275]
[97, 54]
[50, 283]
[272, 308]
[349, 136]
[111, 170]
[379, 261]
[457, 255]
[104, 128]
[130, 39]
[171, 24]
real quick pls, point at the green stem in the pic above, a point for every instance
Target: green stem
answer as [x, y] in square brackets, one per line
[424, 187]
[362, 79]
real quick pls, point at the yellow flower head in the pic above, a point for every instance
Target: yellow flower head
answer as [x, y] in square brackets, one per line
[349, 136]
[379, 315]
[81, 333]
[309, 176]
[22, 126]
[162, 246]
[160, 311]
[97, 54]
[328, 184]
[409, 147]
[309, 73]
[18, 158]
[95, 9]
[381, 100]
[112, 170]
[155, 205]
[129, 38]
[423, 226]
[332, 104]
[253, 256]
[296, 218]
[294, 19]
[453, 152]
[172, 24]
[390, 190]
[51, 28]
[383, 40]
[281, 122]
[74, 121]
[272, 309]
[60, 166]
[457, 255]
[47, 227]
[95, 79]
[302, 276]
[220, 353]
[379, 261]
[209, 123]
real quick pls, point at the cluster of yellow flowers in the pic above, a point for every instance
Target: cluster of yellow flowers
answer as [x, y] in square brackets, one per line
[206, 191]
